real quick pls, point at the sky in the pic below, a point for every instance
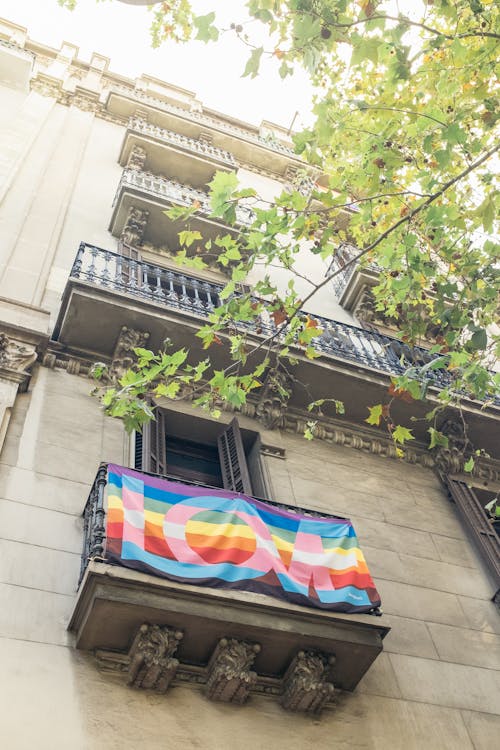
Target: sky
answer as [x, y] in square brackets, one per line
[213, 72]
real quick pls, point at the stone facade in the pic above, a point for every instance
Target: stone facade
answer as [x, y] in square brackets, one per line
[437, 682]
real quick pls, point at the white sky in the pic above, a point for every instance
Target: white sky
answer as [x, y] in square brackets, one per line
[213, 72]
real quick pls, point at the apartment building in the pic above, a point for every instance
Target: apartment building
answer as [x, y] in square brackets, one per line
[99, 653]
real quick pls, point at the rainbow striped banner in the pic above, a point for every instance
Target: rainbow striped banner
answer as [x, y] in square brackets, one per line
[227, 540]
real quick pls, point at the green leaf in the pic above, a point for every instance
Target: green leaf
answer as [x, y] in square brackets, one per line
[207, 32]
[187, 237]
[437, 438]
[469, 465]
[253, 63]
[375, 414]
[402, 434]
[478, 340]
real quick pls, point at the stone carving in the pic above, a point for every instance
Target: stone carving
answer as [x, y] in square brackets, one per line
[46, 86]
[450, 459]
[14, 355]
[137, 158]
[273, 402]
[151, 663]
[123, 356]
[229, 676]
[85, 103]
[305, 685]
[135, 226]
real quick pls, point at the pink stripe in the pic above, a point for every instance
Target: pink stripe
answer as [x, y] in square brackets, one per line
[132, 500]
[132, 534]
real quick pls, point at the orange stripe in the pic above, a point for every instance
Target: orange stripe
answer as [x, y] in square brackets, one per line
[220, 542]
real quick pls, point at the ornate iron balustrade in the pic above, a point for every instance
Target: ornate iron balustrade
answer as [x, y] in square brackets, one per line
[339, 263]
[177, 139]
[174, 192]
[9, 44]
[177, 291]
[199, 116]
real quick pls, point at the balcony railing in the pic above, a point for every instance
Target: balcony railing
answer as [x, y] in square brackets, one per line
[177, 139]
[176, 291]
[232, 644]
[9, 44]
[174, 192]
[346, 270]
[198, 116]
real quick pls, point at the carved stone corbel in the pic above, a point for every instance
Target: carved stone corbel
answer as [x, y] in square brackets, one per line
[135, 226]
[16, 356]
[272, 405]
[123, 355]
[151, 664]
[305, 685]
[229, 676]
[137, 158]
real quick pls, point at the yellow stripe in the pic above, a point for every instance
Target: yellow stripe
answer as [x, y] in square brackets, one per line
[282, 544]
[155, 518]
[220, 529]
[115, 502]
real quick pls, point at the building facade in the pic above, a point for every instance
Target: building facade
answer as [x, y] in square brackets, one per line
[90, 161]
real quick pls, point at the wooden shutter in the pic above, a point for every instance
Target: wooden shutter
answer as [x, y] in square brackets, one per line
[475, 518]
[153, 444]
[235, 475]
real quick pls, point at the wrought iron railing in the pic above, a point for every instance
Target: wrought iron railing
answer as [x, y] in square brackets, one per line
[177, 139]
[177, 291]
[94, 521]
[9, 44]
[345, 268]
[175, 192]
[198, 116]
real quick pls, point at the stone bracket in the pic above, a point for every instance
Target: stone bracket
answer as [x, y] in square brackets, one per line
[151, 662]
[230, 678]
[306, 686]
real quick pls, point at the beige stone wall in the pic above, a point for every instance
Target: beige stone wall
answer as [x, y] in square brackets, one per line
[435, 686]
[437, 683]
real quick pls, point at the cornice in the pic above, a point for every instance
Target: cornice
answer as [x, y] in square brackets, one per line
[295, 421]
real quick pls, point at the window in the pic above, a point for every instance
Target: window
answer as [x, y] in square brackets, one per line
[202, 451]
[471, 504]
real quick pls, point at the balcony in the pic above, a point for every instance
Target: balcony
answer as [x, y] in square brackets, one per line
[16, 64]
[185, 158]
[230, 642]
[156, 194]
[246, 143]
[106, 291]
[353, 280]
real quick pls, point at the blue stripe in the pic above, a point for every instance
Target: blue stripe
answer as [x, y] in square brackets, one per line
[222, 571]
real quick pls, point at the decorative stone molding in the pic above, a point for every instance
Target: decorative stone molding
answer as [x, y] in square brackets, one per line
[151, 662]
[272, 405]
[306, 686]
[46, 86]
[84, 102]
[137, 158]
[123, 356]
[229, 676]
[135, 226]
[15, 355]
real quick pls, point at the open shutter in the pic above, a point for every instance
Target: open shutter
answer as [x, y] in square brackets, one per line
[235, 475]
[476, 520]
[150, 446]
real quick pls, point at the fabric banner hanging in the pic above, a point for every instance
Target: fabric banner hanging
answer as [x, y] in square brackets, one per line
[223, 539]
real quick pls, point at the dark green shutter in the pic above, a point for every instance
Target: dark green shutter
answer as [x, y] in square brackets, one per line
[233, 461]
[150, 446]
